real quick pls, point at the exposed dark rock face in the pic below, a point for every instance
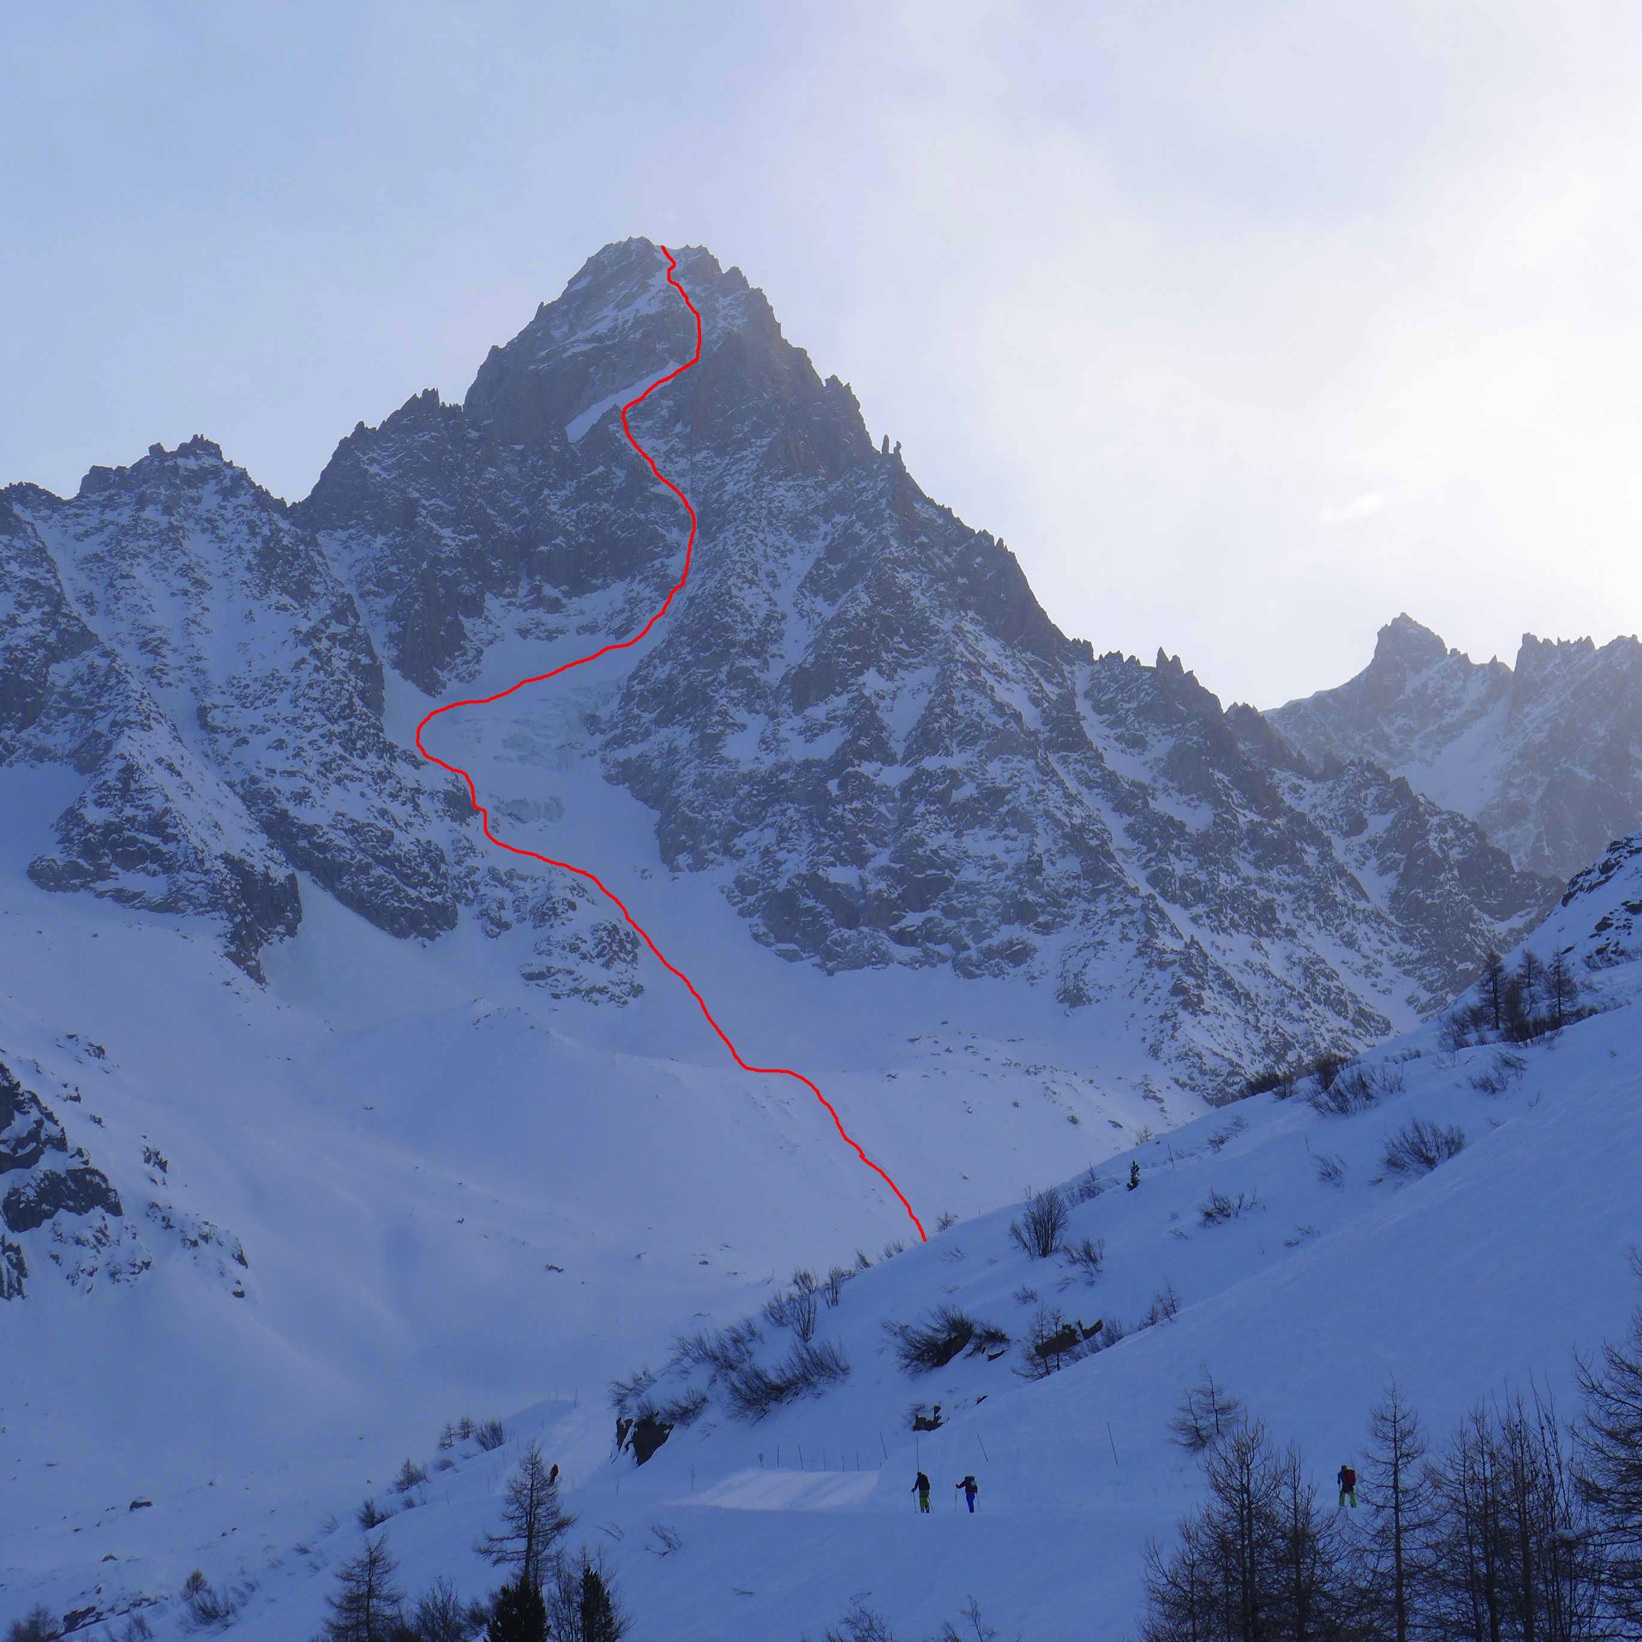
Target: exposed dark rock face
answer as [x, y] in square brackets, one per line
[189, 649]
[49, 1192]
[67, 1216]
[27, 1130]
[1547, 756]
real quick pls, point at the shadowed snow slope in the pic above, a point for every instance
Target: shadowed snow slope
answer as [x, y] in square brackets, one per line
[1488, 1270]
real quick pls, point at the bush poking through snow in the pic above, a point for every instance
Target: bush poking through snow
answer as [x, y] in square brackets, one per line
[1224, 1137]
[1418, 1147]
[860, 1624]
[1086, 1257]
[1040, 1228]
[833, 1289]
[795, 1311]
[411, 1476]
[1354, 1089]
[628, 1394]
[753, 1390]
[1498, 1076]
[1086, 1187]
[1331, 1170]
[1052, 1342]
[685, 1408]
[205, 1608]
[370, 1514]
[721, 1352]
[1219, 1208]
[665, 1540]
[490, 1435]
[921, 1348]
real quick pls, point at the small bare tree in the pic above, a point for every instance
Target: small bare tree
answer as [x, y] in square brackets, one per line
[1042, 1225]
[1206, 1414]
[368, 1606]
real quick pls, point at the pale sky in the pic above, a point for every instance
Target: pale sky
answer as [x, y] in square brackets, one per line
[1246, 325]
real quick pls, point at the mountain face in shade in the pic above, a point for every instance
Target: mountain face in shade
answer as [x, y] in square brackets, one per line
[856, 720]
[1546, 755]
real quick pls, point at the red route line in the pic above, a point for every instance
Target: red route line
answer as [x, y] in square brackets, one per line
[582, 661]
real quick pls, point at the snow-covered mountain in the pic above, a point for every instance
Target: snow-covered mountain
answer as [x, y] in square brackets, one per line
[1274, 1245]
[857, 721]
[323, 1120]
[1546, 756]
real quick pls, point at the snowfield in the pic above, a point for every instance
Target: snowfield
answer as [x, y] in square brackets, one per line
[1487, 1271]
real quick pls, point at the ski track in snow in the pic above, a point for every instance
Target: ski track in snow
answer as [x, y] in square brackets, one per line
[627, 644]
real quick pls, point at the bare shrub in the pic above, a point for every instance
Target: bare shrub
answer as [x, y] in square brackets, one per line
[1223, 1137]
[795, 1311]
[1331, 1170]
[687, 1407]
[442, 1616]
[921, 1348]
[1455, 1031]
[1418, 1147]
[626, 1395]
[752, 1391]
[833, 1289]
[1041, 1226]
[1502, 1070]
[665, 1540]
[1053, 1341]
[370, 1514]
[1273, 1080]
[205, 1608]
[1086, 1187]
[1204, 1415]
[490, 1435]
[1086, 1257]
[410, 1476]
[1350, 1090]
[721, 1352]
[860, 1624]
[1219, 1208]
[1164, 1308]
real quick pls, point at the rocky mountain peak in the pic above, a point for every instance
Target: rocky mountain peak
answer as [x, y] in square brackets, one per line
[1405, 646]
[1548, 757]
[618, 325]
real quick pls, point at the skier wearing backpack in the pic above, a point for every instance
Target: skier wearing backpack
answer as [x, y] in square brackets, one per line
[921, 1489]
[971, 1488]
[1347, 1480]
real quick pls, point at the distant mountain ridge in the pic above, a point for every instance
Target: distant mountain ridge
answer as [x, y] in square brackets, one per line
[1545, 756]
[857, 719]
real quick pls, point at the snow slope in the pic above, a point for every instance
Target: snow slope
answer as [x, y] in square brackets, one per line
[1483, 1273]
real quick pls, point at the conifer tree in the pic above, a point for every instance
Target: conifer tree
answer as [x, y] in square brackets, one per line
[519, 1614]
[533, 1523]
[368, 1605]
